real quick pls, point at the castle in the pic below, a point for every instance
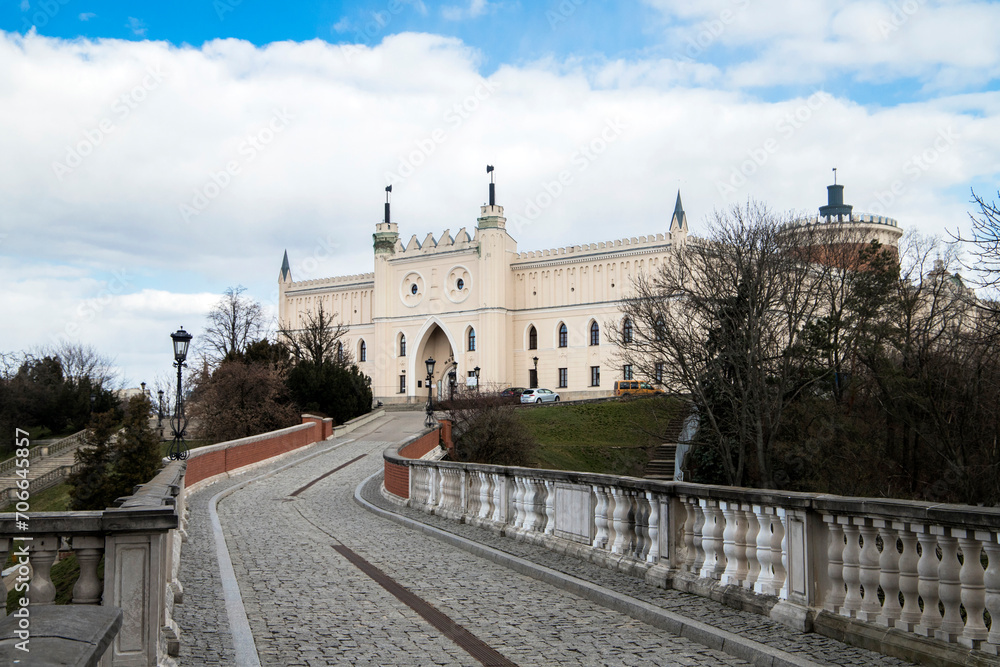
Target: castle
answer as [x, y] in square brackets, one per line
[491, 315]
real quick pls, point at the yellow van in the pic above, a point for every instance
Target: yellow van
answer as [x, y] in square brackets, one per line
[635, 388]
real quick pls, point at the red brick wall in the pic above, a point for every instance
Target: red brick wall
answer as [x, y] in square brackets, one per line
[397, 477]
[239, 453]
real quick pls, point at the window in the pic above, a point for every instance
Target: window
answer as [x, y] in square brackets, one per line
[460, 284]
[402, 345]
[402, 384]
[627, 331]
[532, 339]
[595, 333]
[340, 351]
[660, 327]
[413, 288]
[363, 352]
[659, 372]
[563, 335]
[595, 376]
[563, 378]
[627, 372]
[533, 378]
[472, 340]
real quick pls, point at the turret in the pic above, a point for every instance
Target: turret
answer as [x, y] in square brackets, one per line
[491, 215]
[835, 206]
[386, 233]
[678, 222]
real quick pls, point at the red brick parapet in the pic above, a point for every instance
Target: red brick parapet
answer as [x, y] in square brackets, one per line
[397, 474]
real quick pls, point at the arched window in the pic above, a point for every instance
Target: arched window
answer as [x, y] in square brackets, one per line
[340, 351]
[363, 351]
[402, 345]
[627, 331]
[472, 339]
[532, 339]
[563, 335]
[595, 333]
[660, 327]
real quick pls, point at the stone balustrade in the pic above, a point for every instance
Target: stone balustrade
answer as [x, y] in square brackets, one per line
[140, 543]
[854, 568]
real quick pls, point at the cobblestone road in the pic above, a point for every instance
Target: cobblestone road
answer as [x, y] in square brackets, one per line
[308, 605]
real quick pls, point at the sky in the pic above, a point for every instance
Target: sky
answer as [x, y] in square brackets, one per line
[155, 154]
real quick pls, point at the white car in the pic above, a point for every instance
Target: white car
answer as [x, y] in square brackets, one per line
[539, 396]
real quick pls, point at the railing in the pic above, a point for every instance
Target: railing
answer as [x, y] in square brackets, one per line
[45, 481]
[930, 571]
[41, 451]
[140, 543]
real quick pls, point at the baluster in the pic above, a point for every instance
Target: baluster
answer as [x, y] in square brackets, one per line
[734, 544]
[472, 488]
[600, 517]
[927, 570]
[530, 512]
[687, 532]
[765, 578]
[949, 588]
[834, 564]
[88, 588]
[852, 573]
[499, 489]
[973, 577]
[550, 508]
[779, 553]
[42, 553]
[698, 536]
[618, 521]
[909, 581]
[715, 561]
[641, 524]
[888, 564]
[653, 553]
[518, 498]
[870, 607]
[465, 495]
[753, 530]
[992, 583]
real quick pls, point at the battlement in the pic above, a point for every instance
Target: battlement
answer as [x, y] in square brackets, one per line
[617, 245]
[834, 219]
[334, 282]
[431, 245]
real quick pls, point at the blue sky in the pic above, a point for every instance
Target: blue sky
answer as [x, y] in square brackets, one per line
[121, 220]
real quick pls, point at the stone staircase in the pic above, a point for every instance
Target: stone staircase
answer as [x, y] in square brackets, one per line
[662, 463]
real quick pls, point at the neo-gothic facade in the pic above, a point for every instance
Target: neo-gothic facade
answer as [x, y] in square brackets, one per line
[471, 300]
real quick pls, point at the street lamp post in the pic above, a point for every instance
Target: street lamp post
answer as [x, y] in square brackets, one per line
[430, 422]
[452, 380]
[159, 413]
[535, 383]
[178, 450]
[476, 372]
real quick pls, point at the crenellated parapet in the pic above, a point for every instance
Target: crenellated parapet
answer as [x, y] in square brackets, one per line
[853, 217]
[336, 281]
[617, 245]
[431, 245]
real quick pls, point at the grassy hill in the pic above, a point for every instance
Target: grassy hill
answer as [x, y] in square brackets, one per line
[612, 437]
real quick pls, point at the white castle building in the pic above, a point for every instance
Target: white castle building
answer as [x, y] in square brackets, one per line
[472, 301]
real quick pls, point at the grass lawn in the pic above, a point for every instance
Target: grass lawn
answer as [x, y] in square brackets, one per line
[612, 437]
[55, 499]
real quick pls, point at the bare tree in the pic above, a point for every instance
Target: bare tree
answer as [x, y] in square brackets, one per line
[318, 339]
[80, 362]
[234, 322]
[723, 321]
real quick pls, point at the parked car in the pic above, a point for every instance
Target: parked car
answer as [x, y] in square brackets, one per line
[539, 396]
[635, 388]
[513, 393]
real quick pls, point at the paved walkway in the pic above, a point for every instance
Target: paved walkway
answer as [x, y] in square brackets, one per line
[325, 582]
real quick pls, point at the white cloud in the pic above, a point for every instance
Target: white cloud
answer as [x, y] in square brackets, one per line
[174, 118]
[86, 16]
[343, 25]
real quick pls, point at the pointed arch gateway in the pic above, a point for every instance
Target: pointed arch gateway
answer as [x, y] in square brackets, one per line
[433, 340]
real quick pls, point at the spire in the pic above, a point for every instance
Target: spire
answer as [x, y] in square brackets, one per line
[286, 270]
[679, 220]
